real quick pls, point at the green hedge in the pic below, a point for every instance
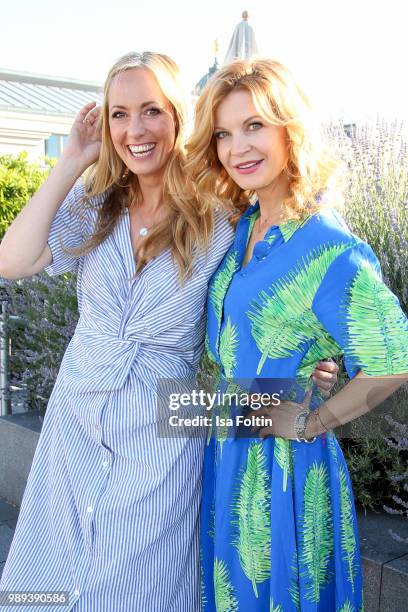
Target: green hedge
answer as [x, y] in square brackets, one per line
[19, 180]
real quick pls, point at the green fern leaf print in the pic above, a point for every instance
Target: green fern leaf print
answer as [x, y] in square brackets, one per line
[220, 284]
[274, 608]
[283, 453]
[331, 445]
[251, 512]
[377, 329]
[228, 347]
[271, 239]
[346, 607]
[208, 350]
[224, 412]
[294, 582]
[317, 531]
[348, 539]
[290, 227]
[225, 601]
[252, 220]
[281, 318]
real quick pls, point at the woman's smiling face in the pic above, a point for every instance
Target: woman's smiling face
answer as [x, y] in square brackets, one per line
[141, 122]
[252, 151]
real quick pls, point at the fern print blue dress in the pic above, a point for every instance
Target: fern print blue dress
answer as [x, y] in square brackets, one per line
[278, 525]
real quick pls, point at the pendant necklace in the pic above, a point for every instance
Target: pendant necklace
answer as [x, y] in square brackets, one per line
[144, 230]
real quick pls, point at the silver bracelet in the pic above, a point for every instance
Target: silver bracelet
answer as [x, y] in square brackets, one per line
[300, 426]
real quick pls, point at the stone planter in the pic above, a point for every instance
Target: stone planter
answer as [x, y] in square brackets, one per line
[19, 435]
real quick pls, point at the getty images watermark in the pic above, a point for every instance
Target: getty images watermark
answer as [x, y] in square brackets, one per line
[185, 409]
[210, 402]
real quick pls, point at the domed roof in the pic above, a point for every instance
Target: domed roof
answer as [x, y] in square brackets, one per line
[242, 46]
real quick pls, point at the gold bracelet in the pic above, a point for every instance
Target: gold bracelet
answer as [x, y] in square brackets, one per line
[317, 413]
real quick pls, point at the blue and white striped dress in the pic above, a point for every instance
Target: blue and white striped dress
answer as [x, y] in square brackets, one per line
[110, 512]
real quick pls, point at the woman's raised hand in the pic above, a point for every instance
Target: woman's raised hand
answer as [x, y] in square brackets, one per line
[84, 140]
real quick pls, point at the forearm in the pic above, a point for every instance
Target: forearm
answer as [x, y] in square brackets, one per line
[26, 238]
[358, 397]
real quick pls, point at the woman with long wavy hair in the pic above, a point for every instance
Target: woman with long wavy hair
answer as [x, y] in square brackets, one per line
[278, 525]
[109, 516]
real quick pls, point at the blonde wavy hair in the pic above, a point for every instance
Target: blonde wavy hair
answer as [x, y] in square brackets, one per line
[187, 227]
[315, 175]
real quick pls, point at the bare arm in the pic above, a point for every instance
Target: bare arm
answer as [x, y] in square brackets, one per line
[358, 397]
[24, 250]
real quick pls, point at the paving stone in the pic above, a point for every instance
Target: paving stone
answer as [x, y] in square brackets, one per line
[8, 511]
[394, 591]
[371, 584]
[6, 535]
[378, 549]
[19, 434]
[375, 540]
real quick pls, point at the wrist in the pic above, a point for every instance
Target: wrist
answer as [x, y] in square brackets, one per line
[301, 431]
[72, 165]
[312, 429]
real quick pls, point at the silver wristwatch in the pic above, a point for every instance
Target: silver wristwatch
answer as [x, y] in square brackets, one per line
[300, 426]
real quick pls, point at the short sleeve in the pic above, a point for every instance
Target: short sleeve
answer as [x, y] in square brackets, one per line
[362, 315]
[67, 230]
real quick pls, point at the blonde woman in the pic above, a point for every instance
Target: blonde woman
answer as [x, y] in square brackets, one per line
[278, 526]
[109, 515]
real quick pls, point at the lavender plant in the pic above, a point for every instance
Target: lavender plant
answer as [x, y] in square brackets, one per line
[376, 206]
[48, 308]
[376, 209]
[399, 443]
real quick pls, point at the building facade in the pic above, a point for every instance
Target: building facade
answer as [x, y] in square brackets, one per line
[36, 112]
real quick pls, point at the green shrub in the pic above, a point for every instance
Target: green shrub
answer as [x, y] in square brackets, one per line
[19, 180]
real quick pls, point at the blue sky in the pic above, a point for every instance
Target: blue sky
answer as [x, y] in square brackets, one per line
[349, 55]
